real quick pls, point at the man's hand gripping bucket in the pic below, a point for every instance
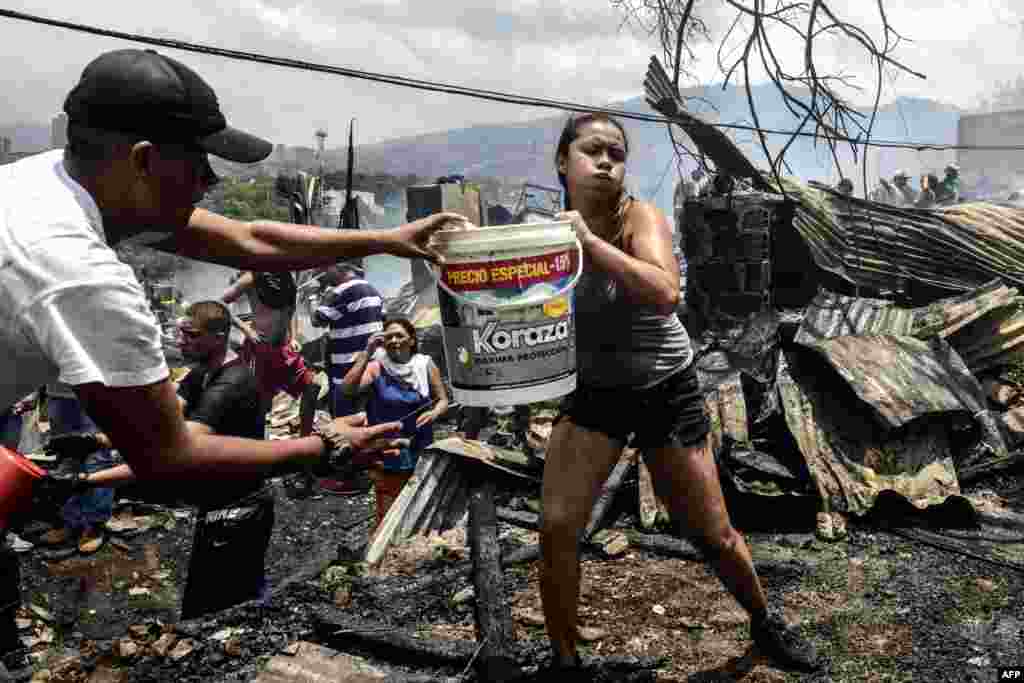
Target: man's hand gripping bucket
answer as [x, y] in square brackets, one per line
[506, 296]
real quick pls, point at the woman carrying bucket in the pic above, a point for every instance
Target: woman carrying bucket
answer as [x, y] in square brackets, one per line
[635, 377]
[404, 386]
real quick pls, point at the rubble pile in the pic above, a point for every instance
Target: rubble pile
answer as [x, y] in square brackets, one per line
[835, 370]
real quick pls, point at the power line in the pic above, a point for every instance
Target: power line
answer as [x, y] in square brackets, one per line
[464, 91]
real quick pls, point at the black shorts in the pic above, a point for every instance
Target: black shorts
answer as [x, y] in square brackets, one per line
[671, 409]
[228, 552]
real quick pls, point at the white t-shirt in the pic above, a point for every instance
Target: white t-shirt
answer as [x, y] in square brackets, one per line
[70, 310]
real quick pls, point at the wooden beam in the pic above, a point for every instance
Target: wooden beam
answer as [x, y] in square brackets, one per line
[493, 617]
[521, 519]
[337, 628]
[367, 586]
[647, 500]
[608, 491]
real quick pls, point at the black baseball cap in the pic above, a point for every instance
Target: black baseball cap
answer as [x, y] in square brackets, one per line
[160, 99]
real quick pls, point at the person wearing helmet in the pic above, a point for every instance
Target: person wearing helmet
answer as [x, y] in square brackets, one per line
[904, 193]
[948, 190]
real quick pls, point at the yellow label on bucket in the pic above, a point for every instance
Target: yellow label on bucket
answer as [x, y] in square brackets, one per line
[557, 307]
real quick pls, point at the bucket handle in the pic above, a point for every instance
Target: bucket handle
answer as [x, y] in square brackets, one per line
[432, 268]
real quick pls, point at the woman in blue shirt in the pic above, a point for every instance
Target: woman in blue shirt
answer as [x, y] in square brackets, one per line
[402, 385]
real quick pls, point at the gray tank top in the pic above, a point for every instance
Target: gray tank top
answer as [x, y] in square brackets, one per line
[621, 344]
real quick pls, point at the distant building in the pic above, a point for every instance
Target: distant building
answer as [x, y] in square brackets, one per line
[59, 131]
[8, 155]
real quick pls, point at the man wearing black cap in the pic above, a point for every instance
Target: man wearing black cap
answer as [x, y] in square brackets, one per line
[140, 126]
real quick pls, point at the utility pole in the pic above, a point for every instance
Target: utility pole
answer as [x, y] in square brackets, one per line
[321, 140]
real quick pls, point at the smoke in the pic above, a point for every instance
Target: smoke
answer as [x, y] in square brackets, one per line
[200, 281]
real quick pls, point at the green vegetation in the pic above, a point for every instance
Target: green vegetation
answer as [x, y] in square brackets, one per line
[248, 199]
[975, 602]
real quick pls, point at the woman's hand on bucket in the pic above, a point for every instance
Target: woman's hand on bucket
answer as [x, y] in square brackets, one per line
[413, 240]
[583, 233]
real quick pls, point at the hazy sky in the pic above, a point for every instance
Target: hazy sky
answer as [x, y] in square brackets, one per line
[564, 49]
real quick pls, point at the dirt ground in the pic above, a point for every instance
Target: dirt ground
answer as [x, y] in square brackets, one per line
[880, 607]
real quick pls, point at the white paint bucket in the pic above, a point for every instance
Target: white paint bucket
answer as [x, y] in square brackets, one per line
[507, 311]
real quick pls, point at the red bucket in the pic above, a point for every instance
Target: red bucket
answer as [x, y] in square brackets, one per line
[17, 475]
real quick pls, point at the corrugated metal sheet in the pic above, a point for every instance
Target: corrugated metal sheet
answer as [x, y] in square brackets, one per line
[946, 317]
[881, 247]
[984, 325]
[425, 503]
[436, 496]
[903, 378]
[850, 457]
[834, 315]
[995, 339]
[727, 412]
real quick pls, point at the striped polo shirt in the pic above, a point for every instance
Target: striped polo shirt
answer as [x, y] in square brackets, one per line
[355, 311]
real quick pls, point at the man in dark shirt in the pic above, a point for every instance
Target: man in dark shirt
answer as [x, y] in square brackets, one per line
[220, 395]
[235, 521]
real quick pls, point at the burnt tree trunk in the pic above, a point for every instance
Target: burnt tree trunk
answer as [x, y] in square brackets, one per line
[493, 617]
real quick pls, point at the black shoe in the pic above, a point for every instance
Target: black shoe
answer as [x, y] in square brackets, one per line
[781, 642]
[298, 491]
[564, 673]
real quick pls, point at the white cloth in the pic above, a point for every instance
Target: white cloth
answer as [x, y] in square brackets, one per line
[70, 310]
[60, 390]
[415, 372]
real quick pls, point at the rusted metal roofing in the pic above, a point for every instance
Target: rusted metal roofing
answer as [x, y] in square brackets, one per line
[882, 247]
[984, 325]
[948, 316]
[834, 315]
[995, 339]
[852, 458]
[903, 378]
[727, 412]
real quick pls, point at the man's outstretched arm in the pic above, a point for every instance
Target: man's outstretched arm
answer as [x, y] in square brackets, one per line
[271, 246]
[146, 426]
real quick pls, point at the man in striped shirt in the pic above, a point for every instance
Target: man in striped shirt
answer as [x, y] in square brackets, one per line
[354, 311]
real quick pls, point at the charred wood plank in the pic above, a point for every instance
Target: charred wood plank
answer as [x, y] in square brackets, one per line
[336, 628]
[448, 577]
[647, 499]
[521, 519]
[673, 546]
[972, 473]
[312, 663]
[608, 491]
[493, 617]
[663, 544]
